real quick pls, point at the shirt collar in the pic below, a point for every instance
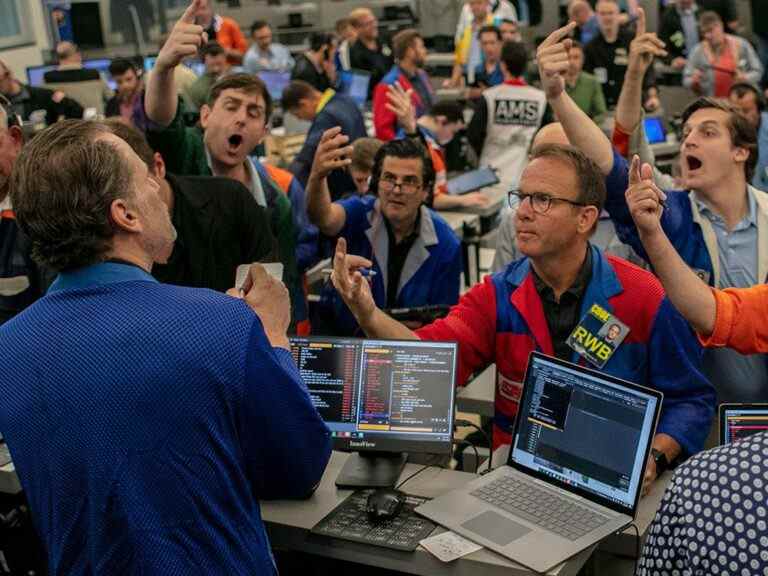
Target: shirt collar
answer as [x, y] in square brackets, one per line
[749, 220]
[579, 286]
[101, 274]
[255, 187]
[515, 82]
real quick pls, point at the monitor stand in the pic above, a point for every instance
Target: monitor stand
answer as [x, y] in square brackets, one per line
[371, 470]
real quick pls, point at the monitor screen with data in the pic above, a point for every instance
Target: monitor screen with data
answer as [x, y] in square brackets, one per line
[739, 421]
[381, 395]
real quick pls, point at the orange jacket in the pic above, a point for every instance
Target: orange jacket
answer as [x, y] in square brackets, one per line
[740, 320]
[229, 35]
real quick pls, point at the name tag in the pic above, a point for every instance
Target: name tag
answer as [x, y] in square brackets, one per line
[598, 335]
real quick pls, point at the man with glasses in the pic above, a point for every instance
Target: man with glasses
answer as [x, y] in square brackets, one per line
[414, 256]
[536, 302]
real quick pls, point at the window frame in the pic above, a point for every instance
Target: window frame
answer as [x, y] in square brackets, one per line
[26, 36]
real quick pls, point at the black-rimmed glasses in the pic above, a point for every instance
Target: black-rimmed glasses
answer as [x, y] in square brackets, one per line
[541, 203]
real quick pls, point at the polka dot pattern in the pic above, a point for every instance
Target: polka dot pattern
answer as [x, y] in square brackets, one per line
[714, 516]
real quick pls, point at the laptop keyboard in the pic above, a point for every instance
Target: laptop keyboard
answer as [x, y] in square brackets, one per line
[540, 507]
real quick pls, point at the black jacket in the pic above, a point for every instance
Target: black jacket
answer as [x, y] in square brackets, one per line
[304, 69]
[671, 33]
[31, 98]
[219, 226]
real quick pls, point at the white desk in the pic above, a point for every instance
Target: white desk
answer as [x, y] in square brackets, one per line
[459, 221]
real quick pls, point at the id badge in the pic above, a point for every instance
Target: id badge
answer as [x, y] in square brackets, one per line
[598, 335]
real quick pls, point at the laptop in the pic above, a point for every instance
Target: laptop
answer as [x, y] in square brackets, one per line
[739, 421]
[276, 81]
[354, 83]
[575, 468]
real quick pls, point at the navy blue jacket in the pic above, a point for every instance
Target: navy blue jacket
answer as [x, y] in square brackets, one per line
[146, 421]
[342, 111]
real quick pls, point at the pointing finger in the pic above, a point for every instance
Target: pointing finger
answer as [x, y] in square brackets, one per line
[634, 171]
[640, 25]
[190, 12]
[558, 35]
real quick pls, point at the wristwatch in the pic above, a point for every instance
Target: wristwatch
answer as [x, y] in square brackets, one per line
[662, 464]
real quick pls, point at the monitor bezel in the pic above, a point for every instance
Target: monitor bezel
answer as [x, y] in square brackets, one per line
[591, 496]
[389, 445]
[725, 407]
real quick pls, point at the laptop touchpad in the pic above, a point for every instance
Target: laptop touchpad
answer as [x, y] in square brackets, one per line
[496, 528]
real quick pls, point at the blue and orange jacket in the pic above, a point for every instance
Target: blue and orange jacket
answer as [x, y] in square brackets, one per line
[502, 320]
[385, 121]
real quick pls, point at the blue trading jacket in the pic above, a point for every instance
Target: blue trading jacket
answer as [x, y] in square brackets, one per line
[146, 421]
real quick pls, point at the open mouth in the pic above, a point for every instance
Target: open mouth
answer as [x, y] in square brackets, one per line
[693, 163]
[235, 141]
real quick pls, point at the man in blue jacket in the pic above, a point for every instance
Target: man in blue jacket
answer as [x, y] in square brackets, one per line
[415, 255]
[325, 110]
[145, 421]
[718, 224]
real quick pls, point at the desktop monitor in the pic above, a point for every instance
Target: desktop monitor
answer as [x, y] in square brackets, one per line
[739, 421]
[654, 130]
[102, 65]
[354, 83]
[276, 81]
[35, 74]
[380, 398]
[149, 63]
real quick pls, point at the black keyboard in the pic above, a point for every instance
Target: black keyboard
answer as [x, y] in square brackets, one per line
[540, 507]
[349, 521]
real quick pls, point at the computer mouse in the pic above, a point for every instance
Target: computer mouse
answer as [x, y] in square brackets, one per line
[384, 503]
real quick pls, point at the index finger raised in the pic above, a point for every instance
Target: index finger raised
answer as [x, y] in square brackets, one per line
[190, 12]
[640, 25]
[558, 35]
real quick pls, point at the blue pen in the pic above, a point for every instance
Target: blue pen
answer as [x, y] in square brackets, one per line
[364, 272]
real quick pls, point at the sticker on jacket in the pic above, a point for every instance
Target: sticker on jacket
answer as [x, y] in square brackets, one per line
[508, 388]
[598, 335]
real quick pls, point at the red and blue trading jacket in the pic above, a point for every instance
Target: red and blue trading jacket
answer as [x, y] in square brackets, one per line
[502, 320]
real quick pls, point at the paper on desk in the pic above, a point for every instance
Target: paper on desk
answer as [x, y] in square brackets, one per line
[449, 546]
[274, 269]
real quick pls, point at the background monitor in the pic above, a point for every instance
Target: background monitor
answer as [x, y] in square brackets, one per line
[102, 65]
[276, 81]
[654, 130]
[739, 421]
[35, 74]
[354, 83]
[380, 398]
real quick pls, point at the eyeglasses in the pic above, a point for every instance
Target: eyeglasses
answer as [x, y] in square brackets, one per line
[409, 185]
[541, 203]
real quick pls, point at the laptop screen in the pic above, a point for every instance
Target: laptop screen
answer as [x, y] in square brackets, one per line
[739, 421]
[584, 429]
[654, 130]
[354, 83]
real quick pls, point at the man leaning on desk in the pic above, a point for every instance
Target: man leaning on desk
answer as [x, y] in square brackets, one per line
[145, 421]
[537, 301]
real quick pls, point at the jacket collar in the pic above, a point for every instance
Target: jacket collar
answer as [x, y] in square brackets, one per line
[102, 274]
[418, 254]
[516, 81]
[603, 285]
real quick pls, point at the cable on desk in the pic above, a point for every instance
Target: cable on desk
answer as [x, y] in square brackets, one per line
[461, 422]
[460, 443]
[419, 471]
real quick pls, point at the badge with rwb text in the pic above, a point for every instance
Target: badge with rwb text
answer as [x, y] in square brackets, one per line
[598, 335]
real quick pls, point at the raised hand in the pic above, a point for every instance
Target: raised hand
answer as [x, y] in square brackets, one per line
[552, 57]
[350, 284]
[644, 199]
[332, 152]
[644, 47]
[184, 40]
[399, 103]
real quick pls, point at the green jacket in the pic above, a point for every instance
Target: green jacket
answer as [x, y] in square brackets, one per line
[588, 95]
[183, 151]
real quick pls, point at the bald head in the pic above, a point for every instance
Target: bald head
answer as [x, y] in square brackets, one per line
[67, 53]
[550, 134]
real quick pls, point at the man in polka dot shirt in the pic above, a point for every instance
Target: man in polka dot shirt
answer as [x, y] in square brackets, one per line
[714, 516]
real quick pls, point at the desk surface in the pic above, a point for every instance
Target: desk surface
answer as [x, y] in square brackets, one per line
[457, 220]
[289, 522]
[498, 196]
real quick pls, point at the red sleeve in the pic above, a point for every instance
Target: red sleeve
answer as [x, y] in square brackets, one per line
[620, 140]
[384, 121]
[471, 323]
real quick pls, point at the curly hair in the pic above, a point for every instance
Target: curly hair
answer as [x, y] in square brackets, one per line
[62, 187]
